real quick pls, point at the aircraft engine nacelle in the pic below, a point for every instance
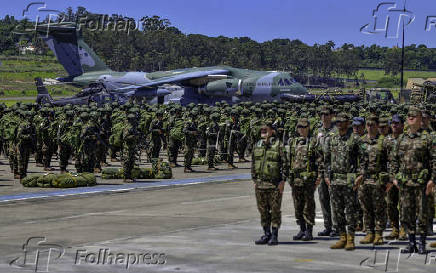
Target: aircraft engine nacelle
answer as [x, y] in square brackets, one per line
[222, 88]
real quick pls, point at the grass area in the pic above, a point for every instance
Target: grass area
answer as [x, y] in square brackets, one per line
[12, 102]
[376, 75]
[17, 75]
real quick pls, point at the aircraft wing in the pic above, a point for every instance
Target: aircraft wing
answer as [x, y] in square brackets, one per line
[175, 79]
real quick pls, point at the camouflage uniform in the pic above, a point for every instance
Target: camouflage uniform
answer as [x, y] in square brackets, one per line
[323, 190]
[190, 131]
[129, 148]
[212, 132]
[175, 137]
[414, 164]
[302, 180]
[86, 157]
[340, 161]
[373, 167]
[48, 131]
[65, 138]
[156, 128]
[25, 142]
[234, 135]
[269, 167]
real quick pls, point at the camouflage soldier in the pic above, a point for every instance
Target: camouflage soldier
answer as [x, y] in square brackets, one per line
[373, 167]
[383, 127]
[25, 142]
[302, 179]
[203, 122]
[212, 139]
[65, 142]
[269, 171]
[176, 136]
[341, 156]
[358, 125]
[86, 157]
[191, 133]
[38, 121]
[323, 190]
[414, 164]
[392, 198]
[48, 135]
[130, 142]
[234, 131]
[157, 134]
[105, 125]
[426, 118]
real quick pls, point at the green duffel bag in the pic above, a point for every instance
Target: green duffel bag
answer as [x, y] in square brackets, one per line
[64, 181]
[30, 181]
[112, 173]
[90, 179]
[164, 172]
[146, 173]
[46, 180]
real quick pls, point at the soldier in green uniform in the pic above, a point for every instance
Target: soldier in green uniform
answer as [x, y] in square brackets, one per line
[212, 140]
[340, 163]
[302, 178]
[414, 164]
[48, 135]
[392, 198]
[269, 171]
[233, 129]
[175, 136]
[373, 168]
[191, 133]
[86, 157]
[129, 147]
[65, 142]
[157, 134]
[323, 190]
[425, 125]
[25, 141]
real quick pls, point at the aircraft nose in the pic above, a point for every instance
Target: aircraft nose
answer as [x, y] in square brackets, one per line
[298, 88]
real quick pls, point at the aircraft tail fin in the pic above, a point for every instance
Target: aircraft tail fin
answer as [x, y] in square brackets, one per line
[72, 52]
[43, 95]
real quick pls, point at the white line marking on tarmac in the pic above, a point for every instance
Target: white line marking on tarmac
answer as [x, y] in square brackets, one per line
[215, 200]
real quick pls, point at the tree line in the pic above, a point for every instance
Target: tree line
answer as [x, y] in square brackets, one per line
[158, 45]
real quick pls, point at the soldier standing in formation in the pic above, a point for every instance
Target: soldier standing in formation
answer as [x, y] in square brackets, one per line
[302, 178]
[269, 172]
[414, 159]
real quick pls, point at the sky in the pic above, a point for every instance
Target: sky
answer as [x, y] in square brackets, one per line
[307, 20]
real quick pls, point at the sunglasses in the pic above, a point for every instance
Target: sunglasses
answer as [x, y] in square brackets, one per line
[303, 127]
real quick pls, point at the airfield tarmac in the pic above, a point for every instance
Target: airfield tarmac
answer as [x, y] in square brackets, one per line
[198, 222]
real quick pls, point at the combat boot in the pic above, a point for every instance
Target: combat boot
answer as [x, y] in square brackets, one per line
[378, 239]
[341, 243]
[421, 249]
[402, 236]
[350, 242]
[325, 232]
[172, 165]
[308, 234]
[300, 234]
[411, 247]
[433, 244]
[212, 169]
[231, 166]
[265, 238]
[368, 239]
[394, 234]
[274, 237]
[16, 176]
[188, 170]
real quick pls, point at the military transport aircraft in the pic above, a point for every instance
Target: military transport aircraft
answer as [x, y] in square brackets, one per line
[201, 85]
